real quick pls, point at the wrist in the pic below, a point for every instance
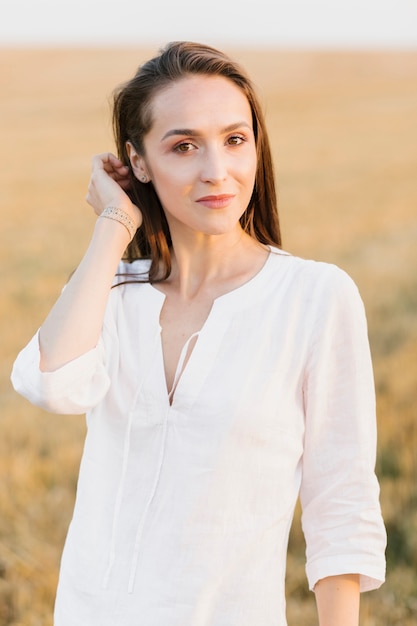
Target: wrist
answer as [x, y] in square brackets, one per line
[111, 234]
[121, 216]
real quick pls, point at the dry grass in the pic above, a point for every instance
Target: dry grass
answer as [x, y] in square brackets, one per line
[344, 131]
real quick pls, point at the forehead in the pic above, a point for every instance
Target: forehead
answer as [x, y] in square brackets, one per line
[195, 101]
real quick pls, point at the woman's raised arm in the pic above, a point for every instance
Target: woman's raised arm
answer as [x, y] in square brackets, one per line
[74, 323]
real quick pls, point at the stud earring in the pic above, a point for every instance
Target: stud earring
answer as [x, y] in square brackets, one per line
[143, 179]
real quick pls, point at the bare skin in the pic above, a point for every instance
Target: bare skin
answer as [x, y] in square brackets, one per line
[73, 325]
[337, 599]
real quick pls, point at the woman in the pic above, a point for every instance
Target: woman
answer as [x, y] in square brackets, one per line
[221, 376]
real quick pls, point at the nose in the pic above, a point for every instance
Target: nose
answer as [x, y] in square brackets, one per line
[213, 165]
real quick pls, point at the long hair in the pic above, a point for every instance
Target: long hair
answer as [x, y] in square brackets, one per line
[132, 120]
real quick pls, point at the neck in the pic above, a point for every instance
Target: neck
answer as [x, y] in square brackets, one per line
[211, 262]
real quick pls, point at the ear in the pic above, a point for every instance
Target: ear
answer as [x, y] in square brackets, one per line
[138, 163]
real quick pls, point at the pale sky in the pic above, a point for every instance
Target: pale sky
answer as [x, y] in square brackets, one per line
[308, 23]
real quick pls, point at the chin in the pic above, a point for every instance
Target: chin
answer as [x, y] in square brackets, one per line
[218, 231]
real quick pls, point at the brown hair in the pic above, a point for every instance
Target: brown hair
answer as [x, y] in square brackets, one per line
[132, 120]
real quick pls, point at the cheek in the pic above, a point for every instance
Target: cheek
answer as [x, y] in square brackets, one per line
[170, 183]
[248, 166]
[170, 192]
[249, 175]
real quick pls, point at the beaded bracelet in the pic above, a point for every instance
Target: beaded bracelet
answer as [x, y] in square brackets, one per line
[114, 213]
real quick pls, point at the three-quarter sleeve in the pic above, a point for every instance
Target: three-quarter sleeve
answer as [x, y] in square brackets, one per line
[341, 515]
[74, 388]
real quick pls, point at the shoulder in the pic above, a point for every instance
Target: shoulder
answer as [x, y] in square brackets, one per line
[318, 285]
[310, 273]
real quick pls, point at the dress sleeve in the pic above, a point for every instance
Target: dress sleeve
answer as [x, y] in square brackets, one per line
[339, 495]
[74, 388]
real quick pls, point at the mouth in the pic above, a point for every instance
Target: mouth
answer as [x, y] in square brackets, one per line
[220, 201]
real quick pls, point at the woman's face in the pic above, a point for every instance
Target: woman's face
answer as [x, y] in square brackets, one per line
[200, 154]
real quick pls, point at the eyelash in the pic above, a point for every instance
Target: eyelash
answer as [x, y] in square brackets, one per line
[241, 138]
[178, 147]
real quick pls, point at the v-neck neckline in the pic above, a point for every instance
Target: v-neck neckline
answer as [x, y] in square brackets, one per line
[185, 356]
[210, 336]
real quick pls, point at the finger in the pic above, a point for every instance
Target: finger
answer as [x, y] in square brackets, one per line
[121, 170]
[107, 161]
[121, 173]
[116, 172]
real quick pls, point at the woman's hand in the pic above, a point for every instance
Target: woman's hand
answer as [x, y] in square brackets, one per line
[108, 184]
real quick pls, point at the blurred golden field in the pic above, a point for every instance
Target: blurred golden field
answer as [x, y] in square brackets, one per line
[343, 128]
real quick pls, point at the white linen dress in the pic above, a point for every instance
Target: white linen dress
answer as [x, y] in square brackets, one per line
[183, 509]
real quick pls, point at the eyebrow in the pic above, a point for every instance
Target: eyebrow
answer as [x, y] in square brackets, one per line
[196, 133]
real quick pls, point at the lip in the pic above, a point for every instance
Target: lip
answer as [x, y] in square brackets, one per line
[220, 201]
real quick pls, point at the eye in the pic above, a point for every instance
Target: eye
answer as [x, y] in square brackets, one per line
[236, 140]
[184, 147]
